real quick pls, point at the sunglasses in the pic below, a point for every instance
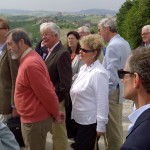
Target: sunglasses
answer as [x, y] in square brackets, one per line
[86, 50]
[121, 73]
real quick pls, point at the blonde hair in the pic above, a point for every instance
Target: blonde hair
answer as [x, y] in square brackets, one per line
[94, 42]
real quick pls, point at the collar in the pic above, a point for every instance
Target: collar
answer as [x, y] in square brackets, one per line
[25, 53]
[147, 45]
[90, 67]
[114, 37]
[1, 48]
[51, 49]
[134, 116]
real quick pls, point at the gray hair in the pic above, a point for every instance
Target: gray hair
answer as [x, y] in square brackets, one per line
[18, 34]
[139, 62]
[50, 26]
[146, 27]
[85, 29]
[109, 23]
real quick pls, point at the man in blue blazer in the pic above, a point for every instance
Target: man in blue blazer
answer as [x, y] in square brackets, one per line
[117, 52]
[136, 86]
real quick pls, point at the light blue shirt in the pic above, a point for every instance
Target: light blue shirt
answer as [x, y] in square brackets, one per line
[1, 49]
[134, 116]
[116, 55]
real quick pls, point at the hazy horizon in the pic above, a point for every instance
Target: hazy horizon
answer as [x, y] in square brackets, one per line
[61, 5]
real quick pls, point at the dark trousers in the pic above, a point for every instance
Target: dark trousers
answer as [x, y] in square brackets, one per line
[86, 136]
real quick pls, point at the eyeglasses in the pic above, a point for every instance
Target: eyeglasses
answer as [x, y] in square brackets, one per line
[86, 50]
[121, 73]
[46, 34]
[2, 28]
[145, 33]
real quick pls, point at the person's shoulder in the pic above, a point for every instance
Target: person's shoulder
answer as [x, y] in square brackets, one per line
[32, 57]
[100, 69]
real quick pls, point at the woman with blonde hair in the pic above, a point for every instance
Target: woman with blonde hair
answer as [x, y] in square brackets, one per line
[89, 95]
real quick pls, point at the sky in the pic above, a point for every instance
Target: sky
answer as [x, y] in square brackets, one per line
[61, 5]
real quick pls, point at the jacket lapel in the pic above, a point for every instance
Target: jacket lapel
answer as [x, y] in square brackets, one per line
[143, 117]
[53, 53]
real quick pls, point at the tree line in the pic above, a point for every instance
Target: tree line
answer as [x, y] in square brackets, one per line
[132, 16]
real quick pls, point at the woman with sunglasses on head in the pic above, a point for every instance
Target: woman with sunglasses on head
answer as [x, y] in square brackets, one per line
[89, 95]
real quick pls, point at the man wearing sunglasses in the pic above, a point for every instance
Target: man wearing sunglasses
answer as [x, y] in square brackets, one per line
[116, 54]
[136, 86]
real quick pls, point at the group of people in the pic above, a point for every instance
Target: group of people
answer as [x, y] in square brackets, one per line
[67, 91]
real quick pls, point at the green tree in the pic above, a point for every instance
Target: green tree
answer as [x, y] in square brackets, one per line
[135, 18]
[121, 15]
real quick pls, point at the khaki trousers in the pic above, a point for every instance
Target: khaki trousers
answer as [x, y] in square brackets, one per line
[35, 134]
[59, 133]
[114, 129]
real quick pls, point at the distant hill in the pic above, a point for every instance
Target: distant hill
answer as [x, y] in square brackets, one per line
[97, 12]
[45, 13]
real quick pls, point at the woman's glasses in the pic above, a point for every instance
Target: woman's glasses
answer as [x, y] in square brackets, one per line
[121, 73]
[86, 50]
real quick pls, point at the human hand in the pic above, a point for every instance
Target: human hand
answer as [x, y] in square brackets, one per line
[99, 134]
[60, 118]
[14, 112]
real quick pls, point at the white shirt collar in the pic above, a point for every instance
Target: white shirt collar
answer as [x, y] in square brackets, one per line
[51, 49]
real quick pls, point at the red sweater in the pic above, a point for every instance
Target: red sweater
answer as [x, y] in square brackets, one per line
[35, 98]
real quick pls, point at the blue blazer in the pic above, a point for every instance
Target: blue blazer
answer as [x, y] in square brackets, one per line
[117, 52]
[139, 137]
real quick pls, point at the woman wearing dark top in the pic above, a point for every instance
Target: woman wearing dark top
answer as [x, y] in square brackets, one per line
[73, 47]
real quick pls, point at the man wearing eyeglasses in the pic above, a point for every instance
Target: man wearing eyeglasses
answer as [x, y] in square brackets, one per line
[136, 86]
[8, 73]
[58, 63]
[83, 31]
[145, 34]
[117, 51]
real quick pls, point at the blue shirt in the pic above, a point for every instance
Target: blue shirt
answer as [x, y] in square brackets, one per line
[1, 49]
[134, 116]
[117, 52]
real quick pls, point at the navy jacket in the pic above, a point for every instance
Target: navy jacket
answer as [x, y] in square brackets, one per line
[139, 137]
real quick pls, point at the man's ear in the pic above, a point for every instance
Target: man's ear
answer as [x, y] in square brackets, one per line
[21, 41]
[137, 80]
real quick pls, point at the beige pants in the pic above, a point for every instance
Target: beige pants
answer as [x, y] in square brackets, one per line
[35, 134]
[59, 133]
[114, 129]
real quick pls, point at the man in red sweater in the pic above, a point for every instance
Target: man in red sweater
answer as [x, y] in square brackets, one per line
[35, 98]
